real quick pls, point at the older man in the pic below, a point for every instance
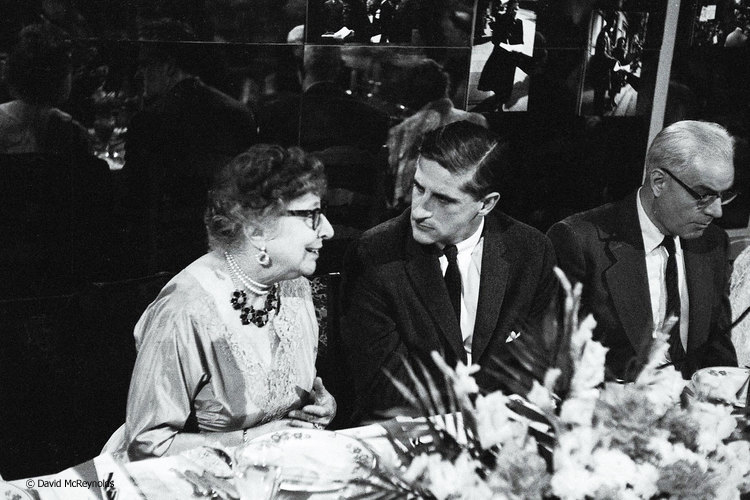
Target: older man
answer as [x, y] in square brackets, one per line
[452, 274]
[654, 261]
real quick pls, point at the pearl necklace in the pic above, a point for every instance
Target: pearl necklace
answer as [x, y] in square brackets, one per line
[248, 314]
[244, 279]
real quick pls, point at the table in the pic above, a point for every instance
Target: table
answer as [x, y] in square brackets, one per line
[157, 481]
[154, 478]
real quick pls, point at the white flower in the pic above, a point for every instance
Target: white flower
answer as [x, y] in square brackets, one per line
[574, 448]
[470, 485]
[579, 410]
[448, 480]
[716, 424]
[740, 453]
[663, 387]
[644, 481]
[461, 378]
[444, 479]
[417, 467]
[670, 453]
[493, 420]
[589, 371]
[614, 468]
[573, 483]
[731, 477]
[464, 383]
[564, 281]
[735, 457]
[541, 397]
[582, 335]
[479, 490]
[628, 495]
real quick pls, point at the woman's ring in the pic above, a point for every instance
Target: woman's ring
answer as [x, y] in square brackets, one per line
[317, 425]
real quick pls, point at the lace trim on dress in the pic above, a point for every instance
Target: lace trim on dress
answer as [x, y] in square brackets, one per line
[274, 386]
[299, 287]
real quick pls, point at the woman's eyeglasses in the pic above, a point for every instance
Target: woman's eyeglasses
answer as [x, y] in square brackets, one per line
[312, 216]
[705, 200]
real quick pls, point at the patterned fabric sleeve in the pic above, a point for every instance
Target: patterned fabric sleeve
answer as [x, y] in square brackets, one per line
[739, 296]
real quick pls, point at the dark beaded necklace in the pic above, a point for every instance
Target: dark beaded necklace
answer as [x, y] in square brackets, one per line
[248, 314]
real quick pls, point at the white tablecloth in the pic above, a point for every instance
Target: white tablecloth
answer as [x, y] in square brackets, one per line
[155, 479]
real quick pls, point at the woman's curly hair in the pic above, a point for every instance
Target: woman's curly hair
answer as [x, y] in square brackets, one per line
[255, 187]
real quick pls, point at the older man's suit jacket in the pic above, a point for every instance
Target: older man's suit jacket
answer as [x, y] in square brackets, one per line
[395, 303]
[603, 249]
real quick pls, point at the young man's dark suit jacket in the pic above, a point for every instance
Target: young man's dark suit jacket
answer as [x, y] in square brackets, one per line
[603, 249]
[395, 302]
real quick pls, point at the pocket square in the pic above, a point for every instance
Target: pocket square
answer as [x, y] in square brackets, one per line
[512, 336]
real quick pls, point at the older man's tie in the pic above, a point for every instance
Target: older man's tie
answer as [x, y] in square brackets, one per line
[676, 351]
[453, 279]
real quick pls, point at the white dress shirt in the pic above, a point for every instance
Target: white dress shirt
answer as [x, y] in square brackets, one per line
[656, 266]
[470, 265]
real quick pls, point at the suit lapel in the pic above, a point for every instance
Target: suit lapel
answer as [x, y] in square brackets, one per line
[494, 278]
[626, 278]
[700, 292]
[423, 268]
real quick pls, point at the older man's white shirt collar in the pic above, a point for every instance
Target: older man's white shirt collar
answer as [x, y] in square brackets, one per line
[656, 261]
[652, 237]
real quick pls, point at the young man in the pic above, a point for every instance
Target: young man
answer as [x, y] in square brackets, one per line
[451, 274]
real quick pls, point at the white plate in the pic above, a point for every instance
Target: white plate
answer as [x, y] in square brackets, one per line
[317, 460]
[10, 492]
[722, 382]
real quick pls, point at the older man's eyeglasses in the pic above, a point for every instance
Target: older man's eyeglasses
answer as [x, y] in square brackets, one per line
[705, 200]
[313, 216]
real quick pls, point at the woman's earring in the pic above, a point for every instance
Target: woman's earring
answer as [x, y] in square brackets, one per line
[263, 258]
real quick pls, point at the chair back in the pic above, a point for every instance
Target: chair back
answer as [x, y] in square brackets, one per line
[108, 314]
[39, 388]
[65, 370]
[331, 364]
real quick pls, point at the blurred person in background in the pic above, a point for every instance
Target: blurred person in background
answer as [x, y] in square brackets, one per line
[39, 80]
[326, 115]
[499, 71]
[185, 133]
[601, 67]
[424, 88]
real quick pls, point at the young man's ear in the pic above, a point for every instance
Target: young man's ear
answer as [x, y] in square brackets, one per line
[488, 203]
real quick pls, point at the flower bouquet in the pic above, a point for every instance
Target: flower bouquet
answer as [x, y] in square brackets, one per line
[573, 436]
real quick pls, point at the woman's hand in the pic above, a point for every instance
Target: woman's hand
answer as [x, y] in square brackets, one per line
[319, 412]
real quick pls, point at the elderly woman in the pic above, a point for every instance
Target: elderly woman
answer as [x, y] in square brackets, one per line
[39, 78]
[227, 350]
